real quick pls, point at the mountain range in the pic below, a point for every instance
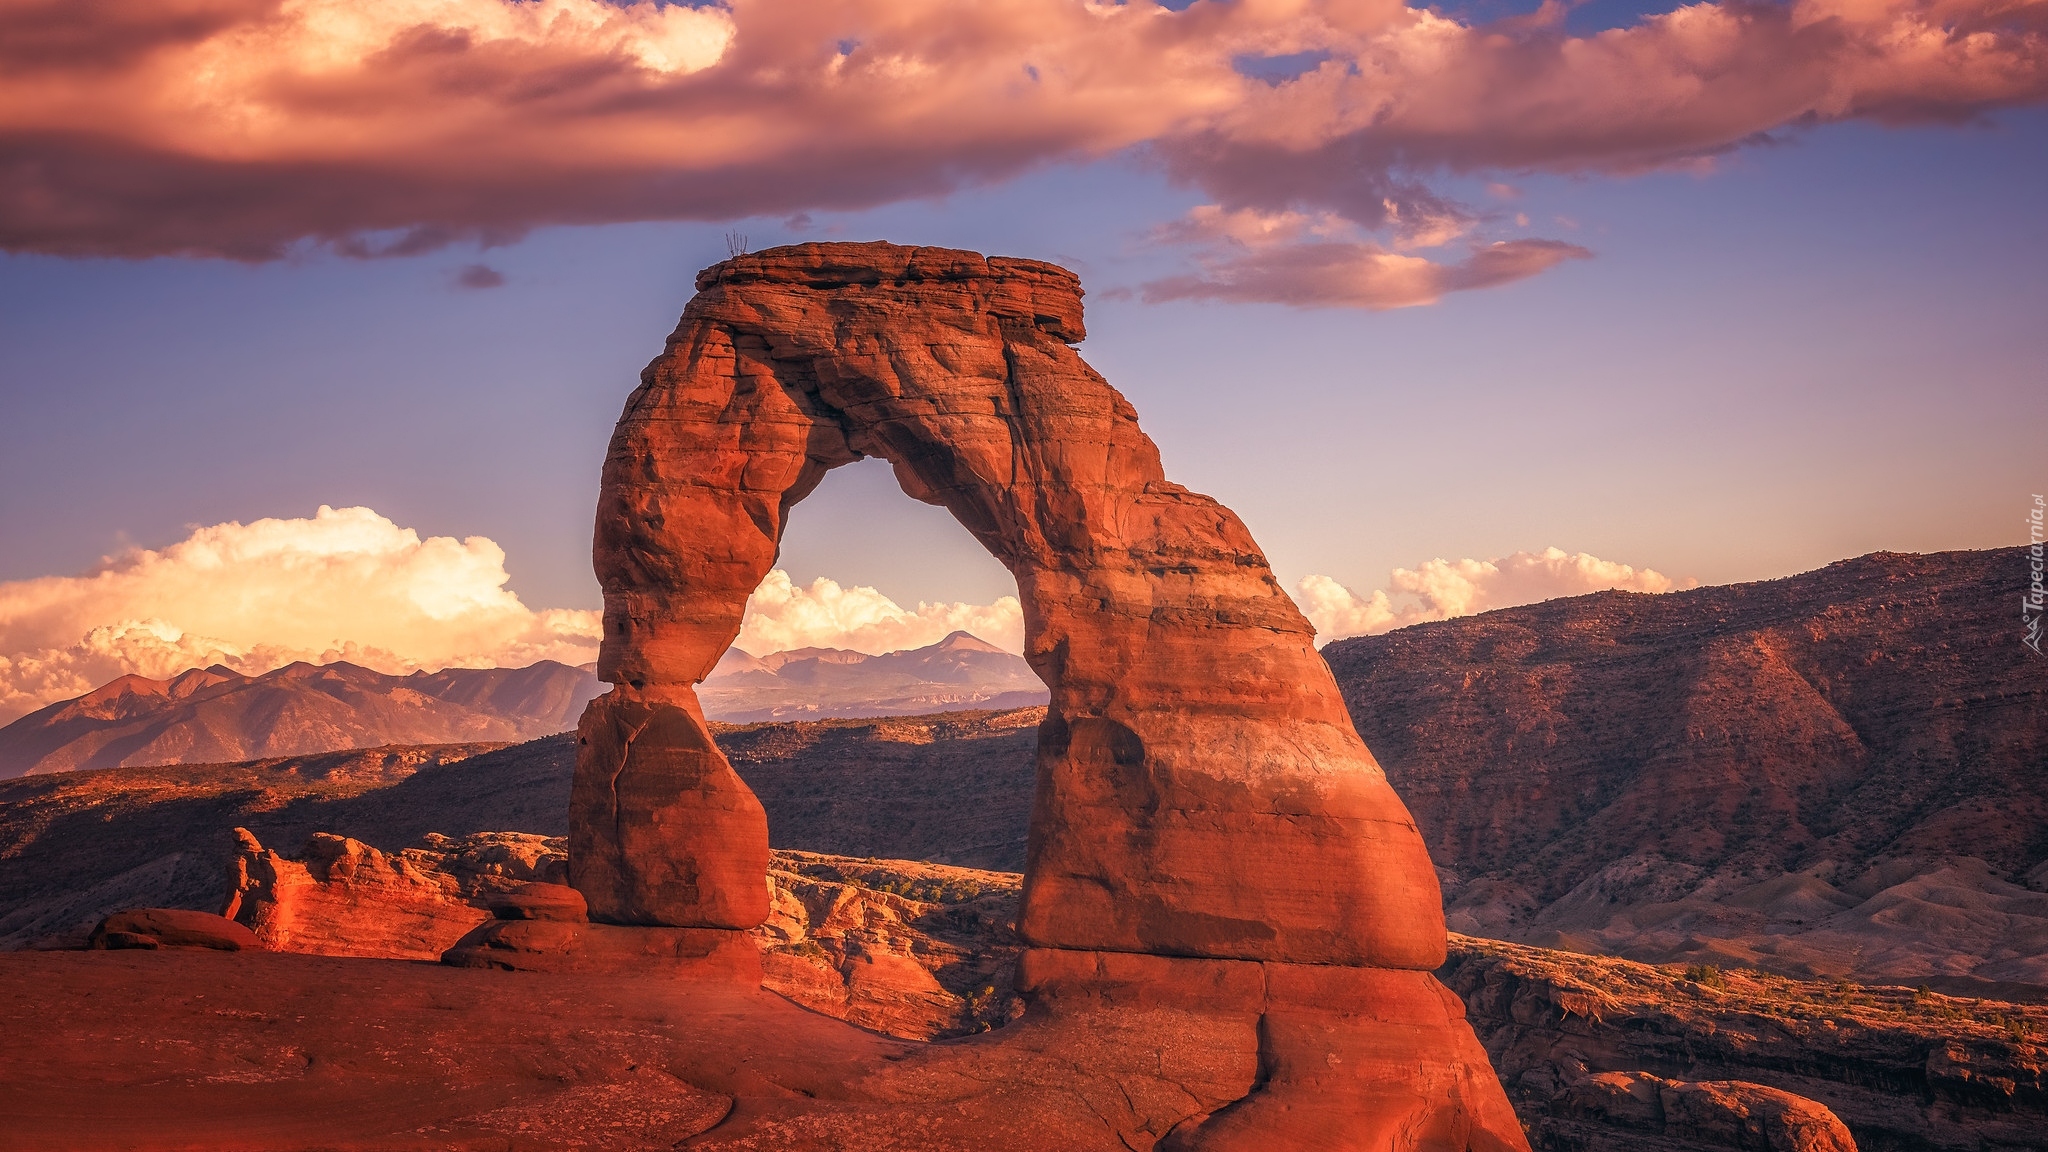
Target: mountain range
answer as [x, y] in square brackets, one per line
[218, 715]
[961, 671]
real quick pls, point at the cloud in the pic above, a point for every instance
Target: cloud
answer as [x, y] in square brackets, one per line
[1248, 256]
[479, 276]
[250, 128]
[348, 584]
[1442, 589]
[345, 584]
[782, 616]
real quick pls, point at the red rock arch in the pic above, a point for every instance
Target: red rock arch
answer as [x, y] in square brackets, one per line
[1202, 792]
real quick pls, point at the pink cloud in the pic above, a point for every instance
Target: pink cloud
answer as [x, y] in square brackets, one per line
[1355, 275]
[1308, 261]
[1441, 589]
[242, 128]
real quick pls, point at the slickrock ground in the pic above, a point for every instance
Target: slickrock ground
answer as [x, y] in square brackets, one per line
[1599, 1055]
[1836, 773]
[277, 1052]
[216, 715]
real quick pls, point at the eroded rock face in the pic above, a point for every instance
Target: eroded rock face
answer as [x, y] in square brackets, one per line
[900, 947]
[1201, 790]
[342, 897]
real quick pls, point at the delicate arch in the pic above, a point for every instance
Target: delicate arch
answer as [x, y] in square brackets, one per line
[1201, 790]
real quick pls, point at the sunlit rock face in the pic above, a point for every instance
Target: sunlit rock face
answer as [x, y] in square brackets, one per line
[1209, 835]
[1202, 791]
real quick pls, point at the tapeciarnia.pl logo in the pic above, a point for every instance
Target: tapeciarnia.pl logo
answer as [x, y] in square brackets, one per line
[2036, 597]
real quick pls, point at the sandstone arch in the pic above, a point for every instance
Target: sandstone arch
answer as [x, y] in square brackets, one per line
[1232, 916]
[1202, 792]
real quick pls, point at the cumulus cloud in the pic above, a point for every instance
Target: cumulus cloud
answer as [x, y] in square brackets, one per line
[1442, 589]
[247, 127]
[347, 584]
[782, 615]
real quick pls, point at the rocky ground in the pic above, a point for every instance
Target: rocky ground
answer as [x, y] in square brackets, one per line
[1590, 1048]
[1598, 1054]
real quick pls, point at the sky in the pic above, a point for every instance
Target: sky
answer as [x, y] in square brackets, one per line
[1455, 307]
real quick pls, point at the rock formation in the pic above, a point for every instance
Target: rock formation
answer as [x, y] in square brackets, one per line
[151, 928]
[342, 897]
[1203, 798]
[1193, 739]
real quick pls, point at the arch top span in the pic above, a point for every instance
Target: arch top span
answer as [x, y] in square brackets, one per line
[1201, 789]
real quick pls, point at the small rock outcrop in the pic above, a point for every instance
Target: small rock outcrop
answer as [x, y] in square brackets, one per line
[342, 897]
[172, 928]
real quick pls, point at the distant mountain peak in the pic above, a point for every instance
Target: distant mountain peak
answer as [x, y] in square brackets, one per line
[960, 671]
[965, 642]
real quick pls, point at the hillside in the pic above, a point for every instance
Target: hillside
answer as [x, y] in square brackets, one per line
[1840, 771]
[217, 715]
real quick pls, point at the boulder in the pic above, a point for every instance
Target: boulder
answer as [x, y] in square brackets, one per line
[1717, 1113]
[539, 902]
[718, 954]
[172, 928]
